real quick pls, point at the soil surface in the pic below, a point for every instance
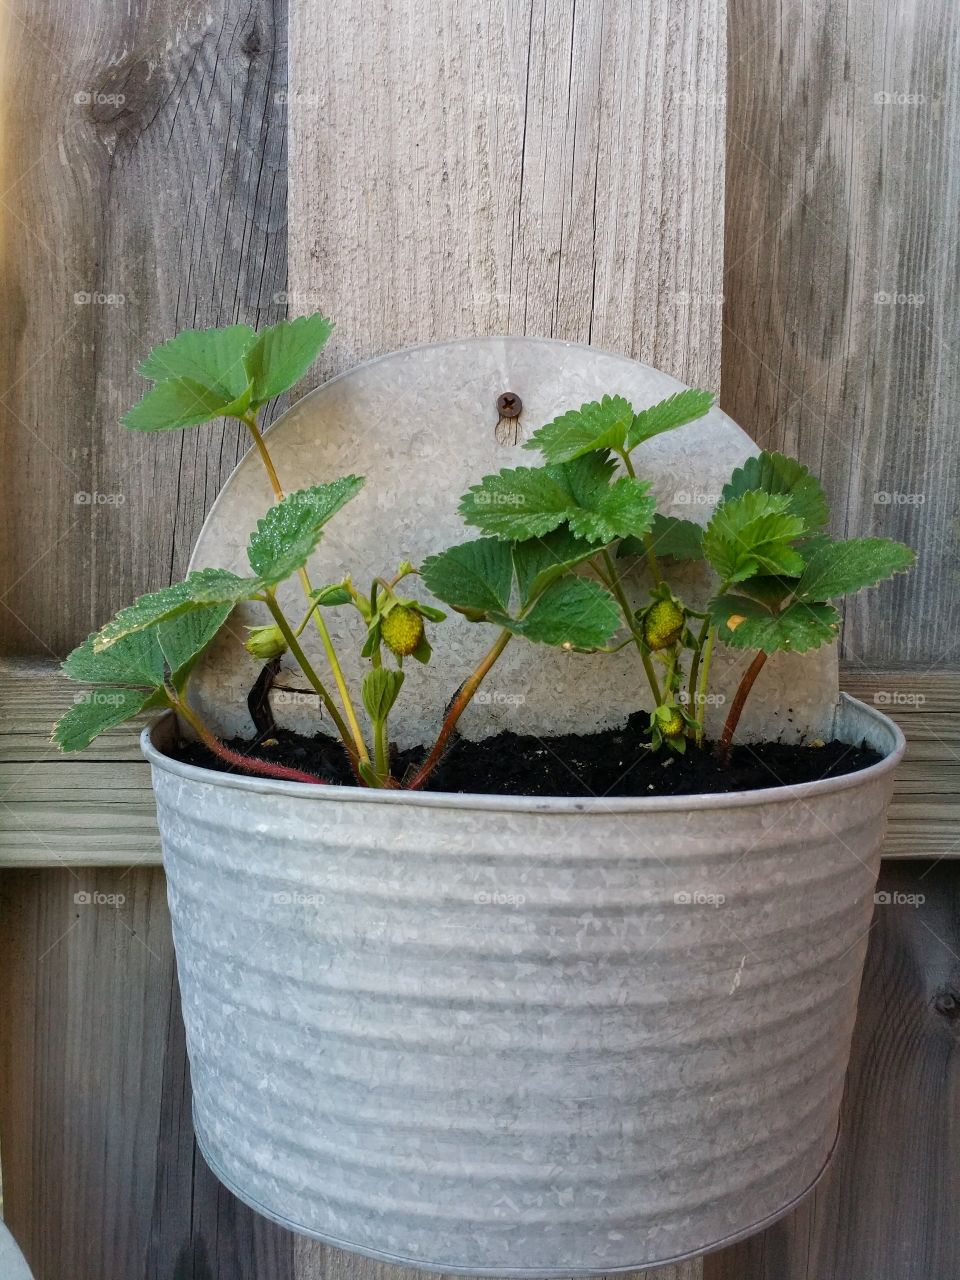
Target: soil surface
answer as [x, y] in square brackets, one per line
[613, 763]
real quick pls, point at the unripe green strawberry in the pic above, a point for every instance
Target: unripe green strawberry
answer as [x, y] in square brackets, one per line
[662, 624]
[402, 630]
[672, 727]
[265, 642]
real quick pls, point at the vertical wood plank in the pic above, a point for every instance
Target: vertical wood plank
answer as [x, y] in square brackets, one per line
[887, 1208]
[145, 191]
[520, 166]
[538, 167]
[842, 330]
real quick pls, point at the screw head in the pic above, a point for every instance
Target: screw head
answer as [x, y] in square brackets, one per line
[509, 405]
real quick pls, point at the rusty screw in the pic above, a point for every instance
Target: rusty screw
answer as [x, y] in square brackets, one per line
[509, 405]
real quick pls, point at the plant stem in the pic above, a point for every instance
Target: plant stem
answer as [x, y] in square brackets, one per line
[381, 750]
[457, 707]
[613, 582]
[249, 763]
[354, 733]
[305, 665]
[652, 560]
[250, 421]
[733, 719]
[701, 690]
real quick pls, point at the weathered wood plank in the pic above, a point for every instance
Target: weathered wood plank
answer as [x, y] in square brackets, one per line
[841, 329]
[144, 191]
[101, 1174]
[551, 168]
[887, 1208]
[97, 808]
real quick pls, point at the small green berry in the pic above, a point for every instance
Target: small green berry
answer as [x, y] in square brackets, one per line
[265, 642]
[402, 630]
[662, 625]
[673, 727]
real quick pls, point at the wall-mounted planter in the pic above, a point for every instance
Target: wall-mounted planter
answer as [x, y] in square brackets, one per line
[508, 1036]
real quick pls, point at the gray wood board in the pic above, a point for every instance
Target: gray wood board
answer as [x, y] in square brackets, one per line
[144, 163]
[842, 330]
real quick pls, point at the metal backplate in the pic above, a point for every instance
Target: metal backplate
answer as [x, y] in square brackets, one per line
[423, 425]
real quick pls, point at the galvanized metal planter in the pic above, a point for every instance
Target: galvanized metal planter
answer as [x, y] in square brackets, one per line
[520, 1037]
[13, 1265]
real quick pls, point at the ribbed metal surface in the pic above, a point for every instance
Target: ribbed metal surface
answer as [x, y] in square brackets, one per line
[13, 1265]
[528, 1036]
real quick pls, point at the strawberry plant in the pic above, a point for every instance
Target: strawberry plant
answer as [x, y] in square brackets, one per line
[560, 545]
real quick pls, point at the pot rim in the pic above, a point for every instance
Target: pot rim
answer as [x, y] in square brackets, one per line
[538, 804]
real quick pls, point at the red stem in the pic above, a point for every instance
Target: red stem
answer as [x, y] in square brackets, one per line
[736, 707]
[251, 764]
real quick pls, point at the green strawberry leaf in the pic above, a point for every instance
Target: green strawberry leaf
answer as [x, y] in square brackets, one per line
[283, 353]
[183, 402]
[184, 638]
[100, 709]
[380, 689]
[598, 425]
[518, 503]
[211, 356]
[743, 623]
[774, 473]
[681, 539]
[201, 588]
[286, 537]
[753, 534]
[529, 502]
[331, 596]
[675, 411]
[571, 611]
[837, 568]
[136, 660]
[473, 577]
[539, 561]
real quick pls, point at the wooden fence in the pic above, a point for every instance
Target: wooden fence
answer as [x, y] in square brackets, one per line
[421, 171]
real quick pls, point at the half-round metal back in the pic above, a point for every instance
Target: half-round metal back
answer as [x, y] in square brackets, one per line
[423, 425]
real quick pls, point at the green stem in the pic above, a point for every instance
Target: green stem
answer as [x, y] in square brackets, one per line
[355, 733]
[381, 749]
[695, 668]
[612, 580]
[457, 707]
[651, 554]
[701, 692]
[307, 668]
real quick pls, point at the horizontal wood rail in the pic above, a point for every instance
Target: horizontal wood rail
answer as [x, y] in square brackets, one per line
[96, 809]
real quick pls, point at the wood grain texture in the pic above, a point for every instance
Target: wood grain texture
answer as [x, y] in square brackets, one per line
[144, 190]
[97, 808]
[842, 333]
[547, 167]
[319, 1262]
[887, 1208]
[102, 1180]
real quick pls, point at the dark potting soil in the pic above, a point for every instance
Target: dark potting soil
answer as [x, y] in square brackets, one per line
[615, 762]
